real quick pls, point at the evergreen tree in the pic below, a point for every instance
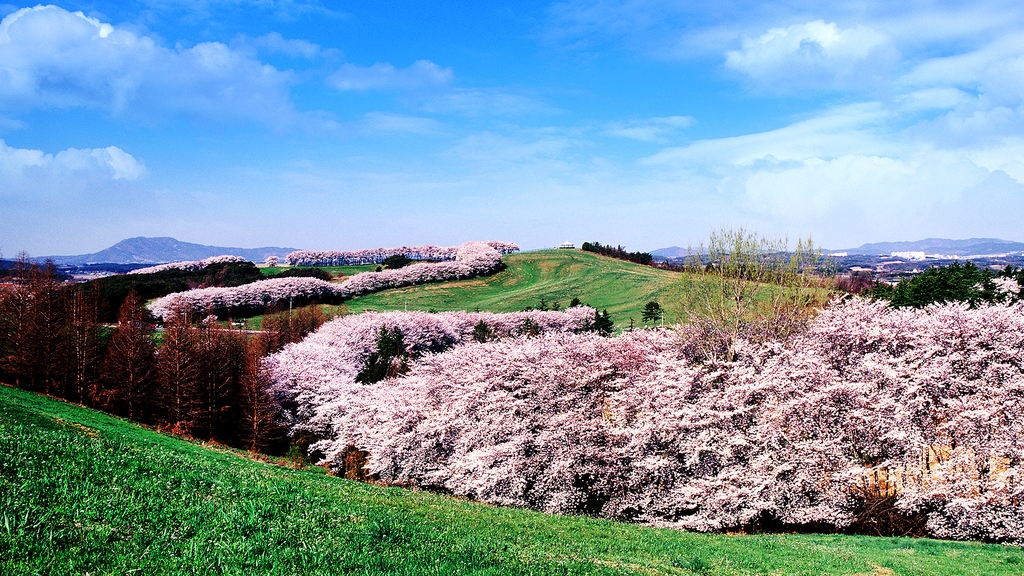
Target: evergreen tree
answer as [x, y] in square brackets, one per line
[389, 360]
[652, 312]
[482, 332]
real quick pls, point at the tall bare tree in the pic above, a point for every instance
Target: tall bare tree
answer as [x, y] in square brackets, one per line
[220, 355]
[130, 366]
[33, 335]
[178, 369]
[83, 333]
[257, 425]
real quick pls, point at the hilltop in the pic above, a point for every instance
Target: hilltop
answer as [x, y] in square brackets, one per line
[157, 250]
[623, 288]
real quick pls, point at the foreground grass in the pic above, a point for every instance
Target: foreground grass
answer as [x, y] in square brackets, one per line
[82, 492]
[623, 288]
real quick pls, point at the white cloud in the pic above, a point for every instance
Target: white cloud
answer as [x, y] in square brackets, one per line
[651, 129]
[274, 43]
[815, 55]
[110, 163]
[52, 58]
[383, 76]
[851, 129]
[854, 173]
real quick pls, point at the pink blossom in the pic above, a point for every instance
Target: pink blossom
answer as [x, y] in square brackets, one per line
[189, 265]
[924, 406]
[471, 259]
[378, 255]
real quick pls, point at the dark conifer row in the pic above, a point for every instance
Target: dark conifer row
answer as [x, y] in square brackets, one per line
[618, 252]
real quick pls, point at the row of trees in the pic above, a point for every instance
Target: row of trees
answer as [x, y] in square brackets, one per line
[618, 252]
[193, 377]
[957, 282]
[868, 420]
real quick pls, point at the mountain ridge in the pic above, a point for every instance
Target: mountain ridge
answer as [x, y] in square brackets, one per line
[162, 249]
[965, 247]
[944, 246]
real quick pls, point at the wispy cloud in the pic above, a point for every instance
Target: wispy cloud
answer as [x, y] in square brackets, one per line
[390, 123]
[383, 76]
[480, 102]
[274, 43]
[651, 129]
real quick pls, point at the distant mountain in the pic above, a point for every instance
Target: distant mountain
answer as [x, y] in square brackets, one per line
[670, 252]
[143, 250]
[969, 247]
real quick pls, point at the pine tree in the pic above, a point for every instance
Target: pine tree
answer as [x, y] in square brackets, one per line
[652, 312]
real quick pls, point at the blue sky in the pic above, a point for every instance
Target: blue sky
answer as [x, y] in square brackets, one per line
[332, 125]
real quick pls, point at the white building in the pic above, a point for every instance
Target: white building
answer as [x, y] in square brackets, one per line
[911, 255]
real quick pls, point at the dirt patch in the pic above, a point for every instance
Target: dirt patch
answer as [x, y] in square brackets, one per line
[90, 432]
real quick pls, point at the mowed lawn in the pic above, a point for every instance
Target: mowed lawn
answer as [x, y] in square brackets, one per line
[85, 493]
[623, 288]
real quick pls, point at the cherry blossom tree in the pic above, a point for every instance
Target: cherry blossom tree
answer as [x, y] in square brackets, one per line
[921, 410]
[189, 264]
[471, 259]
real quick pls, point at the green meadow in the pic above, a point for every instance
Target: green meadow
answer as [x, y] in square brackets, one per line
[623, 288]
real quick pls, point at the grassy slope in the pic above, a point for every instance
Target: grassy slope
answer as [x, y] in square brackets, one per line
[82, 492]
[555, 275]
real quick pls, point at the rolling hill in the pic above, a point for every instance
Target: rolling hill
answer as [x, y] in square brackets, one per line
[86, 493]
[623, 288]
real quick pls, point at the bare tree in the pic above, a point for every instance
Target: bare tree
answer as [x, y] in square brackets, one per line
[177, 370]
[131, 362]
[34, 343]
[257, 408]
[220, 357]
[84, 345]
[745, 284]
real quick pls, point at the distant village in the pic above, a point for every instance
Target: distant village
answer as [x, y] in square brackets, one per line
[900, 265]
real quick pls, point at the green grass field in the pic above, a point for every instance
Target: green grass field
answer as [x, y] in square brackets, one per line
[85, 493]
[623, 288]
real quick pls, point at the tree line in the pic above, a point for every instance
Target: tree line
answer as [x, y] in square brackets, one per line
[618, 252]
[956, 282]
[192, 377]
